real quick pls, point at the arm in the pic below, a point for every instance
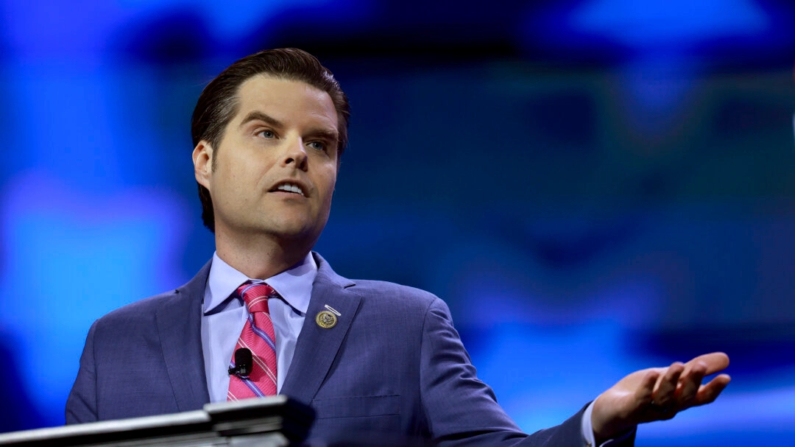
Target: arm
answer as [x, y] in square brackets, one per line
[460, 409]
[81, 406]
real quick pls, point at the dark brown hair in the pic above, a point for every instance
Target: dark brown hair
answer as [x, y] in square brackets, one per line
[218, 102]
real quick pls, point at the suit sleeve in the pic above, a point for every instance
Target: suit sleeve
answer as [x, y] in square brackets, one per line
[460, 409]
[81, 405]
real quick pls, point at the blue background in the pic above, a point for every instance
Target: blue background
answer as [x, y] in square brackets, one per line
[594, 186]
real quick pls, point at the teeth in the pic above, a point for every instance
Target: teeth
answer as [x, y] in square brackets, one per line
[290, 188]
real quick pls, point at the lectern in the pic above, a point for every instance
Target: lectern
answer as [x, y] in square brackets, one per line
[269, 421]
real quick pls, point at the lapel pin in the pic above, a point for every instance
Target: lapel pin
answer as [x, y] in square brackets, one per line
[326, 319]
[333, 310]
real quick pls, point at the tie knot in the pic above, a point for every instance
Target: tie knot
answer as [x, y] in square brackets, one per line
[256, 296]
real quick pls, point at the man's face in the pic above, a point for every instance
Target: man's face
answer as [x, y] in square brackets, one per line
[275, 168]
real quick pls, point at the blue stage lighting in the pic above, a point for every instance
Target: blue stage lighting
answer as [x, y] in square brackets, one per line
[668, 22]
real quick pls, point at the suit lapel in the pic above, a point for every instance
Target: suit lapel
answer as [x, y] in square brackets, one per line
[179, 327]
[317, 347]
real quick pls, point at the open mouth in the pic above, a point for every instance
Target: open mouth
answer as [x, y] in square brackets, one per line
[289, 187]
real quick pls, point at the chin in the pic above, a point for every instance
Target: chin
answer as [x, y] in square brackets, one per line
[292, 231]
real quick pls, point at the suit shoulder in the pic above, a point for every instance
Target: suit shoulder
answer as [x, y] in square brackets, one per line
[141, 310]
[186, 298]
[390, 293]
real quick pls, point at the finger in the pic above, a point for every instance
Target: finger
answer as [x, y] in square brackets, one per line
[644, 392]
[715, 361]
[689, 384]
[709, 392]
[663, 395]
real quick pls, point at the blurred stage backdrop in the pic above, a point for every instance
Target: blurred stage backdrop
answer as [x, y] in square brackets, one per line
[594, 186]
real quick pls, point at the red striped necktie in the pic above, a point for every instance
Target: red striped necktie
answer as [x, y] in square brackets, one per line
[257, 336]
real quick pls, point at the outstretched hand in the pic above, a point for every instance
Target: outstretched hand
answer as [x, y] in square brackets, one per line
[657, 394]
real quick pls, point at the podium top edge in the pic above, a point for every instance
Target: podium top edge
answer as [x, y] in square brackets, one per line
[107, 427]
[245, 404]
[205, 420]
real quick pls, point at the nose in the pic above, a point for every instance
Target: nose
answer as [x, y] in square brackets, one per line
[295, 153]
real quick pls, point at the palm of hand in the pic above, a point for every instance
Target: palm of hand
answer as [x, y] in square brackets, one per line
[657, 394]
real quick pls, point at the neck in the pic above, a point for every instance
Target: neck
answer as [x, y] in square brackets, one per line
[259, 256]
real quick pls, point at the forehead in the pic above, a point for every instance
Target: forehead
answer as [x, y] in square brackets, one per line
[286, 100]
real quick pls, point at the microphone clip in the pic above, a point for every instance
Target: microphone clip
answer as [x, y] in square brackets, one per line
[243, 363]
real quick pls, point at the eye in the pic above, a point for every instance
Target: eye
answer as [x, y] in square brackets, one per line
[267, 134]
[318, 145]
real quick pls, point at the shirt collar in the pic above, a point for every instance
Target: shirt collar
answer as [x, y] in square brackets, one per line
[293, 285]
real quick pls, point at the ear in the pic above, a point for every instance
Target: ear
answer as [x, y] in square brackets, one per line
[203, 163]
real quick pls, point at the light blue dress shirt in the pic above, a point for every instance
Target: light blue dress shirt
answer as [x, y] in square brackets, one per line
[224, 317]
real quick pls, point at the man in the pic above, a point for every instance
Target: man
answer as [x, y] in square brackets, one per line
[368, 356]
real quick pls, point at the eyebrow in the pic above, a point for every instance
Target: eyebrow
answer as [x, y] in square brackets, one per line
[257, 115]
[330, 135]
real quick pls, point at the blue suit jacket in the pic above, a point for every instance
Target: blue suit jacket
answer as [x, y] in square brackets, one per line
[392, 364]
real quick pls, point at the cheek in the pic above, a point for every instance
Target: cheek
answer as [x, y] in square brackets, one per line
[245, 174]
[330, 182]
